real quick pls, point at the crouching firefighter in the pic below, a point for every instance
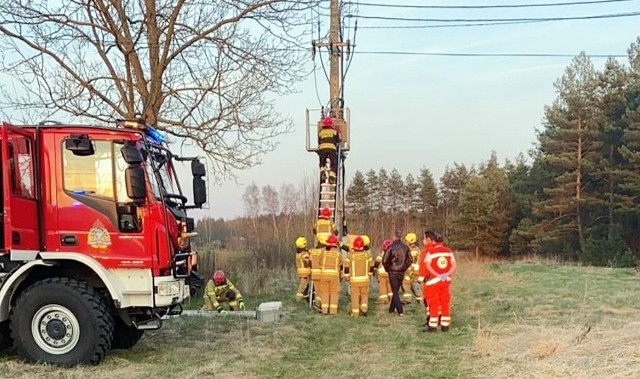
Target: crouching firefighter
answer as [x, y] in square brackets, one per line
[303, 264]
[220, 290]
[358, 271]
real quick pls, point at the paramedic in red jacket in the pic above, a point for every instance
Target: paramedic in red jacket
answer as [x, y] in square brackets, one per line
[436, 270]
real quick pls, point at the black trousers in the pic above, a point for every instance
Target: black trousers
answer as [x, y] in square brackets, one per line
[395, 279]
[333, 157]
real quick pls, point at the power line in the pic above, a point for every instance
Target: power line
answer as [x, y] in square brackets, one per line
[465, 25]
[380, 5]
[498, 55]
[613, 15]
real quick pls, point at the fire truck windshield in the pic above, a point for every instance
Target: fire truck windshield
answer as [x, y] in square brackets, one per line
[164, 180]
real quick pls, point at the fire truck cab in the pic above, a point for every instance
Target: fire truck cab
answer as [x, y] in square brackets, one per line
[94, 244]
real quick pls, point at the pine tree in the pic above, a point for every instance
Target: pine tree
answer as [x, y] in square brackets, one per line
[395, 197]
[451, 184]
[499, 224]
[428, 199]
[411, 201]
[357, 199]
[569, 146]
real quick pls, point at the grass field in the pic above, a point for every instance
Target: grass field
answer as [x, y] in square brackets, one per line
[524, 320]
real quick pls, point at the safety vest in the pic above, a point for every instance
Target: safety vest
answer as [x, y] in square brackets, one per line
[359, 265]
[440, 259]
[381, 271]
[415, 254]
[330, 264]
[316, 256]
[301, 263]
[324, 226]
[327, 139]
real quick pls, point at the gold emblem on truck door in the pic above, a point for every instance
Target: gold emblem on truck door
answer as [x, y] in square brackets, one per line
[98, 237]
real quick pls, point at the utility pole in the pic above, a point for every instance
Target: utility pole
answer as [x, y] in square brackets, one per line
[336, 49]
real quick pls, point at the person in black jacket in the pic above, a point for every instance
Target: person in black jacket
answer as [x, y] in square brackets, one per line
[396, 261]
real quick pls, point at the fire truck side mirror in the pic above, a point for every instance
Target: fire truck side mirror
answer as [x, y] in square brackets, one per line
[197, 168]
[136, 184]
[199, 191]
[79, 145]
[131, 154]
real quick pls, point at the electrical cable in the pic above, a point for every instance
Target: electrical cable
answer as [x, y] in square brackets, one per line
[490, 6]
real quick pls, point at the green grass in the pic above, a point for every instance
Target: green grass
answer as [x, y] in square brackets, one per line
[509, 320]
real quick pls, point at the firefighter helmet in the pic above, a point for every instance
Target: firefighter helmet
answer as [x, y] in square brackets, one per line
[366, 240]
[219, 277]
[386, 244]
[327, 122]
[358, 243]
[301, 243]
[411, 238]
[322, 238]
[325, 213]
[332, 241]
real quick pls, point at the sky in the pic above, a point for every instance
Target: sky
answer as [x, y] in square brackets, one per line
[409, 112]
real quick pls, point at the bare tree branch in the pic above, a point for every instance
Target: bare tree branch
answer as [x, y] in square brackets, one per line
[208, 72]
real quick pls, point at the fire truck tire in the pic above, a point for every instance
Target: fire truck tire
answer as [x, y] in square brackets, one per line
[5, 335]
[62, 321]
[125, 336]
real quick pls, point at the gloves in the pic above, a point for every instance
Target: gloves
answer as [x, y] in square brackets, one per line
[444, 277]
[241, 305]
[420, 279]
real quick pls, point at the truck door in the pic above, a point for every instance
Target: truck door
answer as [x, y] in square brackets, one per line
[20, 225]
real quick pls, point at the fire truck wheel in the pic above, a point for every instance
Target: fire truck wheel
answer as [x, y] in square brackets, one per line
[125, 336]
[5, 335]
[61, 321]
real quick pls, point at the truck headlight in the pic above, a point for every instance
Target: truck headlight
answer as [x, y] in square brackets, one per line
[169, 288]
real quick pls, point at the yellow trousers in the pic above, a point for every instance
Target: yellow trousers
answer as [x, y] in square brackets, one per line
[384, 289]
[302, 285]
[328, 290]
[359, 298]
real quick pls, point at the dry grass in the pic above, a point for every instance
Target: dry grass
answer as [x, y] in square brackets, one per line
[529, 351]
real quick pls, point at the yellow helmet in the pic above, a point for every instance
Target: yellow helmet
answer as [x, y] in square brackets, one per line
[322, 238]
[411, 238]
[366, 239]
[301, 242]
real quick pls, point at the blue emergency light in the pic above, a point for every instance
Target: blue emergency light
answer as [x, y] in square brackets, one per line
[154, 135]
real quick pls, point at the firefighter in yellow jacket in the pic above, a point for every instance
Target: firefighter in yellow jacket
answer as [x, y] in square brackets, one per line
[358, 270]
[324, 227]
[315, 255]
[384, 287]
[220, 290]
[303, 265]
[327, 280]
[410, 284]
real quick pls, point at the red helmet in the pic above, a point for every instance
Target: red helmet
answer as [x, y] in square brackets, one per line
[332, 241]
[325, 213]
[386, 244]
[327, 122]
[219, 277]
[358, 243]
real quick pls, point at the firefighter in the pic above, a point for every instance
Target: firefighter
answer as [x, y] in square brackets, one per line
[303, 263]
[220, 290]
[328, 140]
[358, 270]
[367, 242]
[328, 279]
[384, 287]
[436, 271]
[324, 227]
[410, 285]
[315, 255]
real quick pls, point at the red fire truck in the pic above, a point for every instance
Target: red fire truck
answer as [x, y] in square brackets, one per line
[95, 245]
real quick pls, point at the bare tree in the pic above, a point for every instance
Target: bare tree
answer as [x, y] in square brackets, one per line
[251, 200]
[272, 206]
[289, 199]
[201, 71]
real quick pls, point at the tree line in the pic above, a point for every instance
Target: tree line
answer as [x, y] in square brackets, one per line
[575, 196]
